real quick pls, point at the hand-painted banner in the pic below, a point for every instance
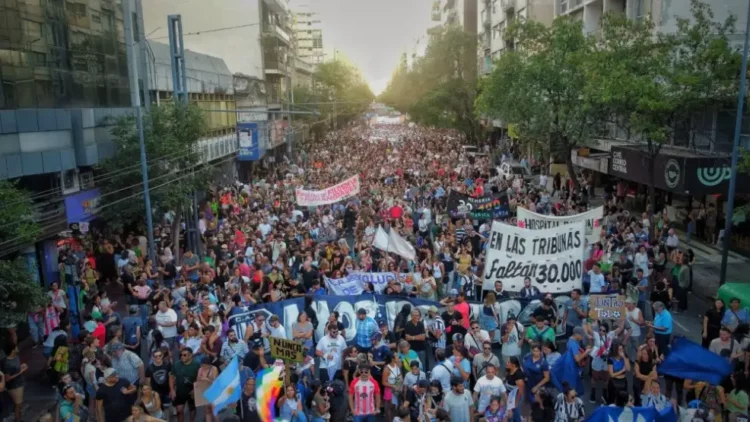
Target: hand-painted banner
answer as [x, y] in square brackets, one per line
[336, 193]
[380, 307]
[551, 258]
[482, 208]
[533, 221]
[355, 283]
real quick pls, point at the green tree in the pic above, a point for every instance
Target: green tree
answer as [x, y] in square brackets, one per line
[17, 224]
[540, 87]
[19, 293]
[334, 81]
[440, 88]
[171, 133]
[653, 86]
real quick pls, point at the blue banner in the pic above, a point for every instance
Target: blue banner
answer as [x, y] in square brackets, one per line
[632, 414]
[382, 308]
[248, 136]
[80, 207]
[688, 360]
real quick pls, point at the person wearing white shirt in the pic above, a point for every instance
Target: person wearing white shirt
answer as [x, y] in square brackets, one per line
[488, 386]
[597, 280]
[475, 337]
[166, 322]
[442, 371]
[272, 329]
[330, 349]
[264, 228]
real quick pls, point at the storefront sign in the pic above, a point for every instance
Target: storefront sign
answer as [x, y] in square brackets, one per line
[599, 164]
[552, 257]
[331, 195]
[609, 306]
[82, 206]
[706, 176]
[286, 350]
[634, 165]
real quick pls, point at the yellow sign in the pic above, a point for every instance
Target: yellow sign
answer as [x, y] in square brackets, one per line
[607, 306]
[287, 350]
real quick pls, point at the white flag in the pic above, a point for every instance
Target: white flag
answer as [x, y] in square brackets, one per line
[400, 246]
[380, 240]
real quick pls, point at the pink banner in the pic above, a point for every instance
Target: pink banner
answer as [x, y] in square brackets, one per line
[336, 193]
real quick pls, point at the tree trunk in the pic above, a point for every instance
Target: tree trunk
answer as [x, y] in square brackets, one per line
[572, 171]
[176, 235]
[651, 196]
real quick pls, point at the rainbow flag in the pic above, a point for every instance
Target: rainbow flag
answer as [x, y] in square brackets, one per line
[268, 385]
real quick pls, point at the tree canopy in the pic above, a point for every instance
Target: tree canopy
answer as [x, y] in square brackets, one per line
[171, 134]
[336, 81]
[563, 87]
[440, 87]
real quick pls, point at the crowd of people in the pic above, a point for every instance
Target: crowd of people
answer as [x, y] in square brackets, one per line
[437, 363]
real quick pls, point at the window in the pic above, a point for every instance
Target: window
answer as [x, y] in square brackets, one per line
[496, 32]
[96, 18]
[31, 30]
[77, 9]
[69, 179]
[563, 6]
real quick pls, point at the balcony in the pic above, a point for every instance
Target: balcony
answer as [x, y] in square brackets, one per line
[508, 5]
[278, 6]
[275, 67]
[273, 29]
[303, 66]
[218, 147]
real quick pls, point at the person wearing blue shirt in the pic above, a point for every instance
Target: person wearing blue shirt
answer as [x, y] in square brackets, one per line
[642, 289]
[662, 326]
[537, 371]
[734, 316]
[366, 327]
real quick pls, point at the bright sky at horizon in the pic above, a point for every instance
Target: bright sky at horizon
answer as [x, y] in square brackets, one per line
[371, 34]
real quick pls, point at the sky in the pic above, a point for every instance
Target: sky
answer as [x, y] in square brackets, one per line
[372, 34]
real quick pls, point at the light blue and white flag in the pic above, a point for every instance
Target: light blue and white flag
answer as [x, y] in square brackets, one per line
[226, 388]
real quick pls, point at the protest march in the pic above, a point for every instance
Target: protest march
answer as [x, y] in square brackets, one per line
[385, 273]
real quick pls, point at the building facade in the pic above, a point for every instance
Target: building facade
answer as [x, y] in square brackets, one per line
[278, 52]
[308, 35]
[462, 13]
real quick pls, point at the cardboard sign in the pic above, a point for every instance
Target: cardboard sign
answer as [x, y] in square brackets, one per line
[286, 350]
[609, 306]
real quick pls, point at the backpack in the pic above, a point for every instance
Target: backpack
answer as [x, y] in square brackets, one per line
[130, 331]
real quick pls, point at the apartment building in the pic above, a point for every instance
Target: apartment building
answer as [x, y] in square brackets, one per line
[460, 12]
[495, 16]
[308, 35]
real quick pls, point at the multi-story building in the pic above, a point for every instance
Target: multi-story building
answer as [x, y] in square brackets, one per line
[495, 16]
[462, 13]
[63, 72]
[278, 53]
[308, 35]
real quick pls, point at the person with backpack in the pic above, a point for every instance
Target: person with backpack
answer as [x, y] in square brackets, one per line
[131, 330]
[538, 334]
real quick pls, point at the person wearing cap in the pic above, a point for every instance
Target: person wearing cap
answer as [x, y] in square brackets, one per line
[181, 379]
[330, 350]
[415, 399]
[114, 397]
[435, 333]
[131, 329]
[365, 327]
[128, 365]
[458, 402]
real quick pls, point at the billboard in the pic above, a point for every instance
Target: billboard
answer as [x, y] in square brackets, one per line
[81, 207]
[248, 135]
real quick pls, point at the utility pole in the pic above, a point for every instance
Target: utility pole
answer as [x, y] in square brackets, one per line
[179, 93]
[735, 155]
[135, 102]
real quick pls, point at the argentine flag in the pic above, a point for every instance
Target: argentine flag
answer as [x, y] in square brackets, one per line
[226, 388]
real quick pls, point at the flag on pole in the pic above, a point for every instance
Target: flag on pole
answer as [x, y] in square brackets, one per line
[267, 388]
[226, 388]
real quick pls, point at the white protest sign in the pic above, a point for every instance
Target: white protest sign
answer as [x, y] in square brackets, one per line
[552, 258]
[355, 283]
[330, 195]
[533, 221]
[343, 286]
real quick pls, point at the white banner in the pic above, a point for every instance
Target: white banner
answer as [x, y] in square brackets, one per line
[354, 283]
[533, 221]
[336, 193]
[551, 258]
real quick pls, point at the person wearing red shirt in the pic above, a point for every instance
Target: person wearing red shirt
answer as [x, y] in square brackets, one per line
[364, 396]
[462, 307]
[396, 212]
